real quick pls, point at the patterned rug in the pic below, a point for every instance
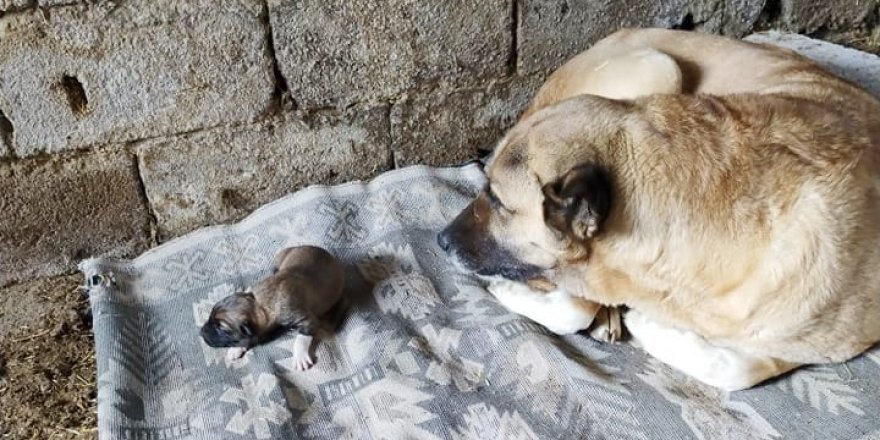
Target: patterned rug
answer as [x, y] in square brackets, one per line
[424, 353]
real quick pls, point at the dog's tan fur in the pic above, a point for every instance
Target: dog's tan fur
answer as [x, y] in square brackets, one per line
[746, 192]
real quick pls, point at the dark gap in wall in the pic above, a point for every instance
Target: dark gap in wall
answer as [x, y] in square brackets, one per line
[484, 151]
[280, 83]
[230, 198]
[281, 87]
[392, 160]
[512, 57]
[281, 93]
[873, 20]
[152, 222]
[769, 16]
[6, 130]
[687, 23]
[76, 94]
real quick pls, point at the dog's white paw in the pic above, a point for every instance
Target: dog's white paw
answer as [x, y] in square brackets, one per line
[556, 310]
[608, 325]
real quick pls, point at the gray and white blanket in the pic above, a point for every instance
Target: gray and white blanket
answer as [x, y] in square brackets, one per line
[424, 352]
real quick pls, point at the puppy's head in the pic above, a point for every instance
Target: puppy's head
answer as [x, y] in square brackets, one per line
[549, 193]
[231, 323]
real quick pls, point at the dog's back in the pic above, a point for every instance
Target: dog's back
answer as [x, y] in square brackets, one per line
[807, 287]
[707, 64]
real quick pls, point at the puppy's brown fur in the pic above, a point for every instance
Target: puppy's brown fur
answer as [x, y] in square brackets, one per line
[743, 185]
[307, 283]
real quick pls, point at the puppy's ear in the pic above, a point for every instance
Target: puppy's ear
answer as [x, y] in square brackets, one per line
[579, 201]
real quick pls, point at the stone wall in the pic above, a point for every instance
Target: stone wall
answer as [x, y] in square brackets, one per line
[125, 123]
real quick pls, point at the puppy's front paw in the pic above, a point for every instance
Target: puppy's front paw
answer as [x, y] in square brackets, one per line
[235, 353]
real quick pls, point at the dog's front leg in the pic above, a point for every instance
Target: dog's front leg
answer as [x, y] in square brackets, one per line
[608, 325]
[556, 309]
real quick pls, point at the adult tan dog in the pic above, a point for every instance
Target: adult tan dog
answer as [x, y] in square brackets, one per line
[728, 193]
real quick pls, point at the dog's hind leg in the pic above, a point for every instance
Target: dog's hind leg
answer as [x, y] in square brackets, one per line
[611, 71]
[633, 74]
[721, 367]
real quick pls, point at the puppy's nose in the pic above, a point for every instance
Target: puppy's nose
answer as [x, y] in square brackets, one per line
[443, 240]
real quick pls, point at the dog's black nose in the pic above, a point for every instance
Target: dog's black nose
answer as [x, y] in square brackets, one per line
[443, 240]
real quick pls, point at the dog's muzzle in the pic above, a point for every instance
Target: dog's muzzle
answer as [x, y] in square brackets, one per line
[482, 256]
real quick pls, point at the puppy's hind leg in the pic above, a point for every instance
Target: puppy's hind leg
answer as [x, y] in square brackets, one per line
[337, 314]
[302, 360]
[235, 353]
[721, 367]
[305, 331]
[279, 259]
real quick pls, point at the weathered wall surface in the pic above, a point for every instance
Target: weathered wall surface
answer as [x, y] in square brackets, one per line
[130, 121]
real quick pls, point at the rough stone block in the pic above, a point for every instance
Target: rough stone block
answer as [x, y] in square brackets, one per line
[811, 15]
[57, 210]
[734, 18]
[13, 5]
[18, 5]
[448, 129]
[221, 175]
[335, 52]
[551, 31]
[859, 67]
[97, 73]
[50, 3]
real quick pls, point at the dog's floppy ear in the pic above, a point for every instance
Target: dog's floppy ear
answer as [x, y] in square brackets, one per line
[579, 201]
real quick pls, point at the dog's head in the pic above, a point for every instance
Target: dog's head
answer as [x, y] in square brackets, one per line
[550, 191]
[231, 323]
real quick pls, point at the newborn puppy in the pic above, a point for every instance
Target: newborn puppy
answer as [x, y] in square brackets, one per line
[307, 283]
